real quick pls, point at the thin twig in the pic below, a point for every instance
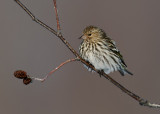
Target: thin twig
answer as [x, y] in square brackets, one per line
[131, 94]
[57, 18]
[51, 72]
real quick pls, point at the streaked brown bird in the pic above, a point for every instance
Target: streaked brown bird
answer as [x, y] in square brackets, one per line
[101, 52]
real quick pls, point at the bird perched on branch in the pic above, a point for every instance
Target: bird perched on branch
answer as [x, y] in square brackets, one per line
[101, 52]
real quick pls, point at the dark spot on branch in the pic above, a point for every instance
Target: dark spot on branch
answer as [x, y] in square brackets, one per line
[23, 75]
[20, 74]
[27, 81]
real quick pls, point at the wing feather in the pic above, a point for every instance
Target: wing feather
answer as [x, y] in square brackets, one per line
[112, 46]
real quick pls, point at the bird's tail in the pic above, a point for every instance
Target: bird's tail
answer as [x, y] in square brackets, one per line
[124, 71]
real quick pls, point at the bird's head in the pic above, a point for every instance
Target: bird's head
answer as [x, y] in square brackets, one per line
[92, 33]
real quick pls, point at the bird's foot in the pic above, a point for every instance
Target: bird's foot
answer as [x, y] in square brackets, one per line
[100, 73]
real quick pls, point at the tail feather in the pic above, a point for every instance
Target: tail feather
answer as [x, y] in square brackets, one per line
[123, 72]
[129, 72]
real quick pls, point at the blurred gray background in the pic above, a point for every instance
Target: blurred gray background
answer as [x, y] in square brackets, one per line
[133, 24]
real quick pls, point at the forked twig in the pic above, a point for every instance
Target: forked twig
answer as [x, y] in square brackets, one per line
[131, 94]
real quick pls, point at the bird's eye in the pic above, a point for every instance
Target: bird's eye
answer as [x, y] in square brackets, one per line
[89, 34]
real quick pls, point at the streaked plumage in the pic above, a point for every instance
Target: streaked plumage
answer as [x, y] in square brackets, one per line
[100, 51]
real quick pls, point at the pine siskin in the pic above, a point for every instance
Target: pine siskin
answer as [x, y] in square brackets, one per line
[101, 52]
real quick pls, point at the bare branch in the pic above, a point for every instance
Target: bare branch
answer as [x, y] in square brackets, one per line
[51, 72]
[57, 18]
[147, 103]
[131, 94]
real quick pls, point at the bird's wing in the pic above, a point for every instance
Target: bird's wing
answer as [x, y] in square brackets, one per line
[112, 46]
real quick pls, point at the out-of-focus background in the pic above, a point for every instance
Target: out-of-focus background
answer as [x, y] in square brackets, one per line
[133, 24]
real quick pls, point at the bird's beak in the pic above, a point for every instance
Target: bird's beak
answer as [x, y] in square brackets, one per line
[82, 37]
